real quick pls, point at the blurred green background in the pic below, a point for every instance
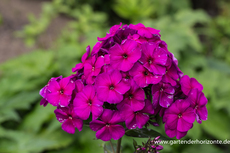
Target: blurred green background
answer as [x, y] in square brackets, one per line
[197, 33]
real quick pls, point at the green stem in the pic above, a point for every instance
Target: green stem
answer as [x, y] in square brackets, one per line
[112, 146]
[119, 145]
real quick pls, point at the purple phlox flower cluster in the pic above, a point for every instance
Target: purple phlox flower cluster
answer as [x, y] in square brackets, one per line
[127, 79]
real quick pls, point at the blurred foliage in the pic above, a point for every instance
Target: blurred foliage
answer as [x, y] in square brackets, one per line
[199, 41]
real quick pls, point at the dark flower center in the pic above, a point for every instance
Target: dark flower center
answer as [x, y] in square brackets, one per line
[127, 77]
[125, 55]
[136, 112]
[70, 117]
[90, 102]
[61, 91]
[196, 106]
[107, 124]
[146, 73]
[130, 96]
[150, 61]
[180, 115]
[111, 87]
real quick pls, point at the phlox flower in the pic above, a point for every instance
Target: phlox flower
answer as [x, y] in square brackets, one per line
[134, 97]
[69, 120]
[198, 102]
[172, 74]
[143, 31]
[110, 87]
[162, 94]
[179, 117]
[43, 92]
[60, 92]
[123, 57]
[153, 58]
[86, 102]
[134, 119]
[107, 127]
[142, 76]
[189, 83]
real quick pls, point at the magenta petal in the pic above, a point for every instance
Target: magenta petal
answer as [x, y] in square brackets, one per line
[131, 122]
[87, 69]
[103, 93]
[137, 105]
[103, 80]
[145, 33]
[78, 123]
[53, 86]
[158, 69]
[165, 100]
[115, 77]
[141, 119]
[114, 97]
[79, 85]
[117, 131]
[139, 94]
[126, 65]
[78, 67]
[185, 84]
[179, 134]
[153, 31]
[161, 58]
[68, 126]
[127, 112]
[96, 125]
[83, 112]
[104, 134]
[129, 45]
[63, 83]
[60, 115]
[53, 98]
[84, 57]
[116, 50]
[134, 55]
[202, 99]
[182, 105]
[64, 100]
[196, 84]
[170, 132]
[116, 118]
[148, 107]
[122, 87]
[100, 62]
[189, 115]
[183, 126]
[43, 102]
[153, 79]
[171, 120]
[173, 109]
[107, 115]
[96, 111]
[203, 113]
[69, 88]
[89, 91]
[140, 80]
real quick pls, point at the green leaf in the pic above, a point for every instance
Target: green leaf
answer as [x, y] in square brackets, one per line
[217, 124]
[108, 148]
[33, 121]
[134, 144]
[144, 133]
